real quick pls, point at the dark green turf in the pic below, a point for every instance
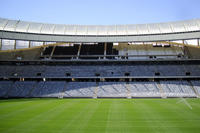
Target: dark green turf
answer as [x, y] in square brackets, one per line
[99, 115]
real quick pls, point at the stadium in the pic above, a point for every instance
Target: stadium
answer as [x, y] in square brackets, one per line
[99, 78]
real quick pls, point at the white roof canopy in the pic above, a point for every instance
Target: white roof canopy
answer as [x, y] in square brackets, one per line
[135, 29]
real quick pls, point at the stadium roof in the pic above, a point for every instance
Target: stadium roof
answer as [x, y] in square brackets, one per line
[131, 29]
[23, 30]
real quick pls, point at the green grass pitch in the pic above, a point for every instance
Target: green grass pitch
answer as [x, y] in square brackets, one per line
[99, 116]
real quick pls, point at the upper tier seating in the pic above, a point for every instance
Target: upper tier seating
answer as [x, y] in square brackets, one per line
[67, 50]
[97, 49]
[102, 70]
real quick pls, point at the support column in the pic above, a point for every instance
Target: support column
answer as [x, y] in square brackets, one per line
[96, 90]
[162, 93]
[169, 43]
[183, 48]
[29, 44]
[79, 51]
[183, 41]
[105, 46]
[0, 44]
[15, 44]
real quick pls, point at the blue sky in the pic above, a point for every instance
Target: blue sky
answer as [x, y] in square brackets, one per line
[101, 12]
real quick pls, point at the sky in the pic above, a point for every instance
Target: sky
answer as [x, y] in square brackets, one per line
[100, 12]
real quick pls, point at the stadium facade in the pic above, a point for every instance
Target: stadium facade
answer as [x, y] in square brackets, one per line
[96, 61]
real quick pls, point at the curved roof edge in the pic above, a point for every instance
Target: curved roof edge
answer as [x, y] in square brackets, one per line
[99, 30]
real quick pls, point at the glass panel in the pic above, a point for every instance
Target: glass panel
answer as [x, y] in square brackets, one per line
[47, 28]
[165, 28]
[111, 30]
[121, 30]
[178, 41]
[20, 44]
[3, 22]
[8, 44]
[35, 27]
[191, 42]
[102, 30]
[178, 27]
[154, 28]
[143, 29]
[49, 43]
[70, 29]
[92, 30]
[33, 44]
[198, 23]
[191, 25]
[81, 30]
[22, 26]
[59, 29]
[132, 29]
[11, 25]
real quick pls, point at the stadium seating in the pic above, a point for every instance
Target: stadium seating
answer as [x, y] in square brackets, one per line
[48, 89]
[112, 89]
[196, 85]
[177, 89]
[5, 87]
[59, 89]
[80, 89]
[103, 70]
[21, 89]
[144, 89]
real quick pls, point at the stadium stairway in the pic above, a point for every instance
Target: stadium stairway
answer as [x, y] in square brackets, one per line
[161, 90]
[128, 91]
[96, 90]
[34, 86]
[63, 91]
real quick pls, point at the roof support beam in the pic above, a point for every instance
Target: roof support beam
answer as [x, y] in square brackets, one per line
[54, 47]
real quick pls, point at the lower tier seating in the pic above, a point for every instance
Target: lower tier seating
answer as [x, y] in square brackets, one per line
[144, 89]
[177, 89]
[112, 89]
[80, 89]
[60, 89]
[48, 89]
